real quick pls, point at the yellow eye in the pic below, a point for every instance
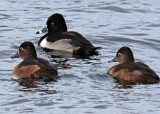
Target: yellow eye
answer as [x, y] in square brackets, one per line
[52, 23]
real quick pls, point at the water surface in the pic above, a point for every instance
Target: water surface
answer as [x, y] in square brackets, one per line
[84, 87]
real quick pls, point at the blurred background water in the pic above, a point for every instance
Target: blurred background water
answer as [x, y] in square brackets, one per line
[85, 86]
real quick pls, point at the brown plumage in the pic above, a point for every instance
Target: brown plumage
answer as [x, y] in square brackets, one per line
[33, 67]
[130, 71]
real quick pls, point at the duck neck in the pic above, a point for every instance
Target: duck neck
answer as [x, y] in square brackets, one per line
[28, 57]
[29, 54]
[128, 59]
[43, 38]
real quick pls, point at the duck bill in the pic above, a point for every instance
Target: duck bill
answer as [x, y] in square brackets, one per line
[113, 60]
[43, 30]
[15, 55]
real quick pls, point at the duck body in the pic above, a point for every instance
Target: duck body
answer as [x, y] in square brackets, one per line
[33, 67]
[130, 71]
[58, 38]
[36, 69]
[134, 72]
[71, 42]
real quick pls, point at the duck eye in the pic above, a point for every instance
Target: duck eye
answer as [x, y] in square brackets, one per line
[52, 23]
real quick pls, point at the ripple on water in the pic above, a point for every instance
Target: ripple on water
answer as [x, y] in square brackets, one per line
[115, 9]
[85, 86]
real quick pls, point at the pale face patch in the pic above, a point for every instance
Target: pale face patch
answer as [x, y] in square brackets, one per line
[63, 44]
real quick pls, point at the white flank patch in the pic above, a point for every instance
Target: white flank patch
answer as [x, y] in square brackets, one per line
[63, 44]
[137, 72]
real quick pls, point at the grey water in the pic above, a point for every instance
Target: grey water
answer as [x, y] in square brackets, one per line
[84, 87]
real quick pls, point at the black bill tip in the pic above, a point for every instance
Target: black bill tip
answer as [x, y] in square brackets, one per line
[39, 32]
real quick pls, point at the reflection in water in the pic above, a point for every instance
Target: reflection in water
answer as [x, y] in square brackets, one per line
[124, 86]
[41, 90]
[59, 54]
[28, 83]
[66, 55]
[34, 85]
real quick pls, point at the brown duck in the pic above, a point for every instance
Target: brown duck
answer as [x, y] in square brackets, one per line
[130, 71]
[33, 67]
